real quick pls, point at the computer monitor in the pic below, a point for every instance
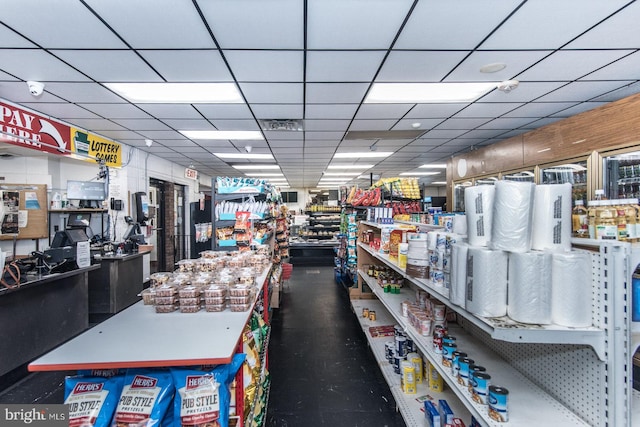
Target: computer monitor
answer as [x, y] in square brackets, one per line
[75, 235]
[86, 191]
[133, 229]
[79, 220]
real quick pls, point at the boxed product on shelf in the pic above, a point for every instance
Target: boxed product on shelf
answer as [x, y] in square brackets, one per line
[431, 414]
[446, 414]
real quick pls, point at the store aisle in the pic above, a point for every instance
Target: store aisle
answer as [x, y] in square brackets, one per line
[322, 371]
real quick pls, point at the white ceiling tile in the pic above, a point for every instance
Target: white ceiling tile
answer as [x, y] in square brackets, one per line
[159, 135]
[318, 149]
[525, 92]
[533, 27]
[458, 123]
[570, 65]
[96, 125]
[452, 25]
[407, 124]
[579, 108]
[125, 136]
[623, 69]
[539, 109]
[275, 111]
[58, 24]
[582, 90]
[445, 133]
[506, 123]
[488, 109]
[336, 93]
[342, 66]
[326, 125]
[117, 111]
[9, 39]
[484, 133]
[372, 124]
[410, 66]
[32, 64]
[223, 124]
[383, 111]
[542, 122]
[60, 110]
[174, 143]
[172, 111]
[330, 111]
[149, 24]
[284, 144]
[83, 92]
[283, 135]
[255, 24]
[204, 65]
[323, 135]
[515, 62]
[4, 77]
[110, 65]
[617, 32]
[272, 93]
[434, 111]
[223, 111]
[266, 66]
[339, 24]
[142, 124]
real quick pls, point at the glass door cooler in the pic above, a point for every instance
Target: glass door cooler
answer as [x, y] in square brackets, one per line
[621, 175]
[458, 195]
[574, 173]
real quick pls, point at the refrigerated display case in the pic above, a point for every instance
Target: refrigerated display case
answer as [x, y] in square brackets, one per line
[621, 175]
[574, 173]
[521, 176]
[458, 195]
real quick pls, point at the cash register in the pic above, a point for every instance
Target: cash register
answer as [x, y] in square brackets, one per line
[63, 246]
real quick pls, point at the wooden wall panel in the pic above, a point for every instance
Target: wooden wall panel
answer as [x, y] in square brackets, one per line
[503, 155]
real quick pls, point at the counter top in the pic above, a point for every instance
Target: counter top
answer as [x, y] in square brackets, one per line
[122, 257]
[39, 279]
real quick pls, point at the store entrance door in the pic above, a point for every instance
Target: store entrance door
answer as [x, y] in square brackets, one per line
[158, 236]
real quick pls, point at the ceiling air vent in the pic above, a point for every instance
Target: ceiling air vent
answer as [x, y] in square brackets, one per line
[384, 134]
[282, 125]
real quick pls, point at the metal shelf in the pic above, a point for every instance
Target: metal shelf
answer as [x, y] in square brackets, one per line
[409, 406]
[529, 405]
[503, 328]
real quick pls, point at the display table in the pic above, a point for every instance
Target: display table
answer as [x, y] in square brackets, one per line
[41, 314]
[313, 253]
[140, 337]
[117, 284]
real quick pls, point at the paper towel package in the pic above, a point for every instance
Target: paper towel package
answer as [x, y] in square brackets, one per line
[478, 202]
[458, 273]
[552, 218]
[486, 293]
[529, 290]
[512, 216]
[460, 224]
[571, 289]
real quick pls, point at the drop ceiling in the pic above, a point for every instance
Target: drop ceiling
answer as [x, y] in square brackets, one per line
[314, 61]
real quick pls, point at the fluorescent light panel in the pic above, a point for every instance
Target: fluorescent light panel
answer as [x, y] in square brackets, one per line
[418, 173]
[264, 175]
[339, 166]
[178, 93]
[255, 167]
[434, 166]
[362, 154]
[424, 93]
[341, 173]
[438, 183]
[252, 156]
[244, 135]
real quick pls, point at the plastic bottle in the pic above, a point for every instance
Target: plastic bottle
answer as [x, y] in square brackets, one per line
[592, 211]
[579, 220]
[606, 221]
[631, 214]
[617, 205]
[403, 249]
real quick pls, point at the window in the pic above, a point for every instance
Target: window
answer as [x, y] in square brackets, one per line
[290, 197]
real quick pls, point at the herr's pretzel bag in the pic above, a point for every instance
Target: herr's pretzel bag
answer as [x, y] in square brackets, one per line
[92, 400]
[146, 398]
[202, 397]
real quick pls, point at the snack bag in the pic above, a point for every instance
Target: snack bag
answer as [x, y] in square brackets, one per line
[202, 397]
[145, 399]
[91, 400]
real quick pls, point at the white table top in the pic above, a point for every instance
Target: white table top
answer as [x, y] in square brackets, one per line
[140, 337]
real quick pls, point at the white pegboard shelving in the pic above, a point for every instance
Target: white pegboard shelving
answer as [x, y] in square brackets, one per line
[529, 405]
[408, 404]
[504, 328]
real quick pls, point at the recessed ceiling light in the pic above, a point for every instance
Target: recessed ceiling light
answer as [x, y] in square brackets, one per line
[434, 166]
[418, 173]
[251, 156]
[360, 154]
[223, 134]
[493, 68]
[341, 173]
[416, 125]
[423, 93]
[439, 183]
[255, 167]
[339, 166]
[178, 93]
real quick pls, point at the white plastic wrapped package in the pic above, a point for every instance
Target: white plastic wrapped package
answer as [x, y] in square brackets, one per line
[572, 289]
[458, 273]
[486, 293]
[512, 216]
[478, 203]
[552, 218]
[529, 296]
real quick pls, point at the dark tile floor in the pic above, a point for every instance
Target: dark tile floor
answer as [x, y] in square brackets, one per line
[322, 371]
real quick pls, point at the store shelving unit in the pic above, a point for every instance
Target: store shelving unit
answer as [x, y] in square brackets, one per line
[408, 404]
[322, 226]
[580, 372]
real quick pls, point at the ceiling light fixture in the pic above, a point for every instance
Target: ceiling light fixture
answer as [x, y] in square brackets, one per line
[178, 93]
[255, 167]
[418, 173]
[356, 155]
[416, 125]
[244, 135]
[439, 183]
[424, 93]
[259, 175]
[493, 68]
[339, 166]
[434, 166]
[246, 156]
[345, 174]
